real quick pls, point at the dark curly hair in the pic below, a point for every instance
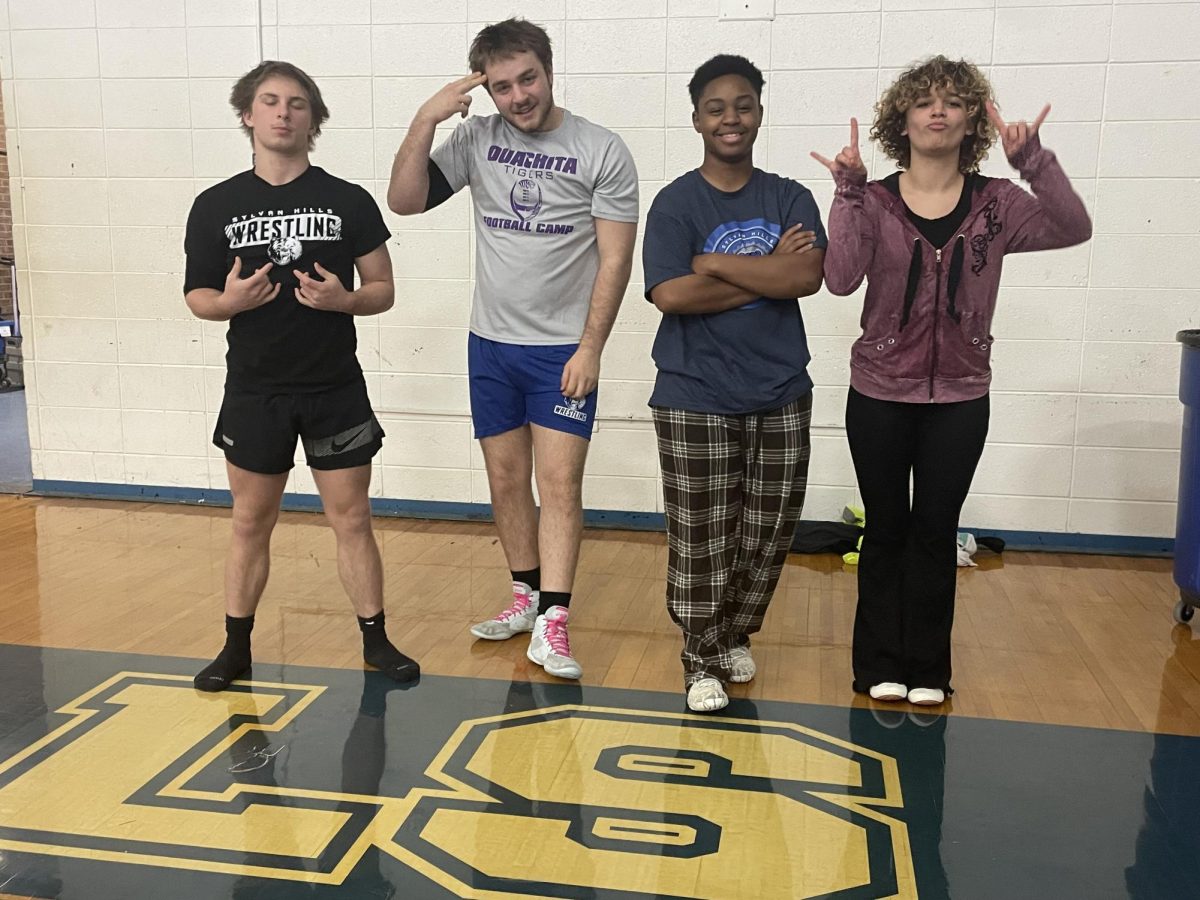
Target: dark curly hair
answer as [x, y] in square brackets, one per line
[241, 98]
[719, 66]
[959, 77]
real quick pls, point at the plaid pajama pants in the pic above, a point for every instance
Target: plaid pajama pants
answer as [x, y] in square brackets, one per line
[733, 487]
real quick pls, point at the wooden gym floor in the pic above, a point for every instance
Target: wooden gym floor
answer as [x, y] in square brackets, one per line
[1039, 637]
[1064, 766]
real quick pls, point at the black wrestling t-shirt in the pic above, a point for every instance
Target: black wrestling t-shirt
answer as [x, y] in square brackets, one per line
[284, 346]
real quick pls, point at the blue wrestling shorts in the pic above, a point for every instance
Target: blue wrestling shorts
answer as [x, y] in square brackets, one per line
[515, 384]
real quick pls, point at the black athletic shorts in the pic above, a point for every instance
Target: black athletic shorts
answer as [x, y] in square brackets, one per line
[258, 432]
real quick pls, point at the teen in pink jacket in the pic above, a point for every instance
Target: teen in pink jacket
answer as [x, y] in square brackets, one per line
[930, 240]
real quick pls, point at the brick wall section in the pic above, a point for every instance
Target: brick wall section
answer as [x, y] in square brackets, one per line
[7, 304]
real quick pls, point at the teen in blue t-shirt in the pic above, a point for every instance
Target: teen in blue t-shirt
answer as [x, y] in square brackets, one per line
[727, 252]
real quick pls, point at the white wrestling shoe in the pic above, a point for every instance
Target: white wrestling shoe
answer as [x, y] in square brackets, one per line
[518, 618]
[550, 646]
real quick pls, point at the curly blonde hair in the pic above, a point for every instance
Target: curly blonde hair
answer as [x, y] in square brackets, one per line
[959, 77]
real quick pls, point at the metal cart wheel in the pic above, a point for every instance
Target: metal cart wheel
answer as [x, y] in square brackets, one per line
[1184, 610]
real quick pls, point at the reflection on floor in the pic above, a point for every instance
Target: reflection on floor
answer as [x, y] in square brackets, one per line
[118, 780]
[1038, 637]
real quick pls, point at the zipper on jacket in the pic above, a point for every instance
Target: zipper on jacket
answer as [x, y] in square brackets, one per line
[937, 308]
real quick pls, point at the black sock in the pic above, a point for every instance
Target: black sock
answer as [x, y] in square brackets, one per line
[234, 659]
[379, 652]
[553, 598]
[533, 578]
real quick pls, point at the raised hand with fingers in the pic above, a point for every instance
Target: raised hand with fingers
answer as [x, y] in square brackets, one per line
[326, 293]
[795, 240]
[849, 161]
[453, 98]
[1015, 135]
[251, 292]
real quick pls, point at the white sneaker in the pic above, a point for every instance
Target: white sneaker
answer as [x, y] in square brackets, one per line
[926, 696]
[519, 616]
[550, 647]
[707, 695]
[743, 668]
[889, 691]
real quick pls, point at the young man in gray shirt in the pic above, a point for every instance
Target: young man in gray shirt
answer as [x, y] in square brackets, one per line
[556, 208]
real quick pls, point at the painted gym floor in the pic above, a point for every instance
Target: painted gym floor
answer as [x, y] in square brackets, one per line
[119, 780]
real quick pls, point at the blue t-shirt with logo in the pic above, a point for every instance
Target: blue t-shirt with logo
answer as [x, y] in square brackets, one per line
[745, 360]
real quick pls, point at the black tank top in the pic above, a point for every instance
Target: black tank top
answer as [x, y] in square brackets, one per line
[939, 231]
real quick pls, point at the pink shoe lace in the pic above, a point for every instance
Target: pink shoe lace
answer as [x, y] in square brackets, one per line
[520, 603]
[556, 636]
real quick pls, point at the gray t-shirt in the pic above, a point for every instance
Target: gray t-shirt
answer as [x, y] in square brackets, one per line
[535, 196]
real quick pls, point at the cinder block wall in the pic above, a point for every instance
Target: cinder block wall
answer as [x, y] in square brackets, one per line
[117, 117]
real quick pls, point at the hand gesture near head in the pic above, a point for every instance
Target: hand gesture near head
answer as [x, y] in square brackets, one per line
[453, 98]
[1014, 136]
[849, 161]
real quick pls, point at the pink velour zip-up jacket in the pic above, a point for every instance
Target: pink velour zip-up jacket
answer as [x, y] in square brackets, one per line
[927, 317]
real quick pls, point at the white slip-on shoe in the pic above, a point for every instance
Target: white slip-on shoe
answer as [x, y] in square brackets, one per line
[707, 695]
[926, 696]
[888, 691]
[743, 668]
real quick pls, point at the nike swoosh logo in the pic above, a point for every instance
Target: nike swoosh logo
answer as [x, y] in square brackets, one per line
[335, 447]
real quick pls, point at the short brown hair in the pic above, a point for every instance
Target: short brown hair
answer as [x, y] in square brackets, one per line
[937, 72]
[241, 98]
[508, 38]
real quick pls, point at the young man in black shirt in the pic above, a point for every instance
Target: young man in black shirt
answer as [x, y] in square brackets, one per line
[273, 252]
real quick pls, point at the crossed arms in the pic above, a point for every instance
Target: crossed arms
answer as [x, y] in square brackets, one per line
[722, 281]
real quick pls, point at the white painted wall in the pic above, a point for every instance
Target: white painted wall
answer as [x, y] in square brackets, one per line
[117, 117]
